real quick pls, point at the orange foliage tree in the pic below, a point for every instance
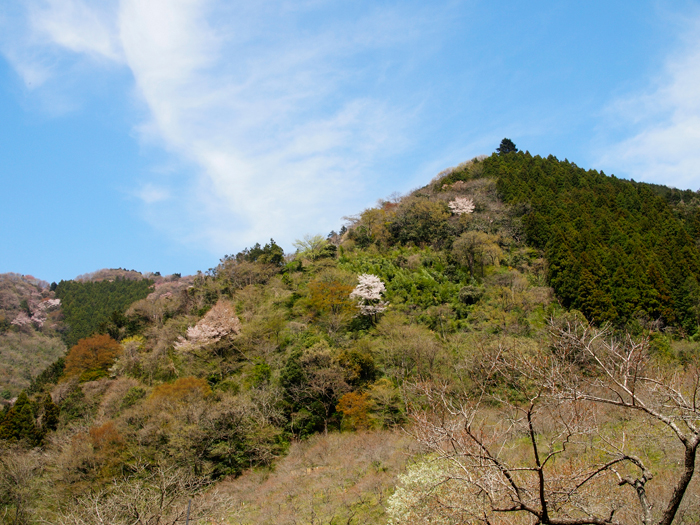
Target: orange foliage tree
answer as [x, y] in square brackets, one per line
[355, 408]
[331, 297]
[91, 357]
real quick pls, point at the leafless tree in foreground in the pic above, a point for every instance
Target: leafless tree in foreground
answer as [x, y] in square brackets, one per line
[571, 439]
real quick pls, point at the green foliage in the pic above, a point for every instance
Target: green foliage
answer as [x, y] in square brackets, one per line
[617, 250]
[133, 396]
[74, 405]
[262, 374]
[460, 288]
[421, 222]
[432, 281]
[19, 424]
[507, 146]
[314, 247]
[271, 253]
[87, 305]
[50, 415]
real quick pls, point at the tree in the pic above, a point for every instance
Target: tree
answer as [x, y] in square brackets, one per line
[19, 424]
[462, 205]
[19, 473]
[420, 222]
[330, 298]
[314, 380]
[369, 294]
[165, 495]
[355, 407]
[50, 415]
[564, 439]
[507, 146]
[91, 357]
[219, 322]
[313, 247]
[476, 247]
[271, 253]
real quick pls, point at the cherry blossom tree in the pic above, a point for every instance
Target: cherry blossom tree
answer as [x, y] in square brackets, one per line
[462, 205]
[219, 322]
[369, 294]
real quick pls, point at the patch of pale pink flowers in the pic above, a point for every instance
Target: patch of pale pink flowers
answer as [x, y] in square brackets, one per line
[462, 205]
[369, 294]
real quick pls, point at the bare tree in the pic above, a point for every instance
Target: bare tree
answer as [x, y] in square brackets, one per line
[19, 472]
[157, 497]
[563, 435]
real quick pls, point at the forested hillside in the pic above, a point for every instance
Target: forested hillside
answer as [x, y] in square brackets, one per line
[88, 304]
[511, 317]
[30, 325]
[616, 249]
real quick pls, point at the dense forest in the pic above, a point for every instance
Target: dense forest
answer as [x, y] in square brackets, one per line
[88, 304]
[616, 250]
[496, 347]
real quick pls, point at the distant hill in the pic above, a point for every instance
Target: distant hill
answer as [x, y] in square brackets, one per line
[91, 299]
[30, 328]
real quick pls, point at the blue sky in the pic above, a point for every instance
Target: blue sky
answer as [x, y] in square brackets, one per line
[160, 135]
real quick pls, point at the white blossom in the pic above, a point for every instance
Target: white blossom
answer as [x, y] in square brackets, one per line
[219, 322]
[416, 489]
[369, 294]
[462, 205]
[370, 288]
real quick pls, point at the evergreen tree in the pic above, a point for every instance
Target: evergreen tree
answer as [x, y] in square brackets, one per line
[507, 146]
[19, 424]
[49, 420]
[638, 249]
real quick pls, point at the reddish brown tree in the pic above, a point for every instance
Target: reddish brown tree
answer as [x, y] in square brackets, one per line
[91, 357]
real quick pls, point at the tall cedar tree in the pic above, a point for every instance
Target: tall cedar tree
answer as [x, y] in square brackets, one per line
[19, 424]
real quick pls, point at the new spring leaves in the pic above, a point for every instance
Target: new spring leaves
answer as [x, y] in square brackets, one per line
[370, 288]
[369, 294]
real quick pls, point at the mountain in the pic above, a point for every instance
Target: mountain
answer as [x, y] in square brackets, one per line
[30, 325]
[481, 295]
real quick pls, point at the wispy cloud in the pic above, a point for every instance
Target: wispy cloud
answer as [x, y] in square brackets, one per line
[268, 101]
[663, 123]
[150, 193]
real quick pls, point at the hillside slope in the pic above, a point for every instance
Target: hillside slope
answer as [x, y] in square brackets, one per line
[30, 327]
[204, 379]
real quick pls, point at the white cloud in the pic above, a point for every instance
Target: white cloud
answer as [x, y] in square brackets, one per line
[268, 112]
[75, 26]
[36, 34]
[665, 122]
[150, 193]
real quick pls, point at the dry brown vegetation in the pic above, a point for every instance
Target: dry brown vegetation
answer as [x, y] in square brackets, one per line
[338, 478]
[589, 430]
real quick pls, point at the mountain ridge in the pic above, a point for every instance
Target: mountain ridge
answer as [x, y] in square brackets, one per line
[456, 274]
